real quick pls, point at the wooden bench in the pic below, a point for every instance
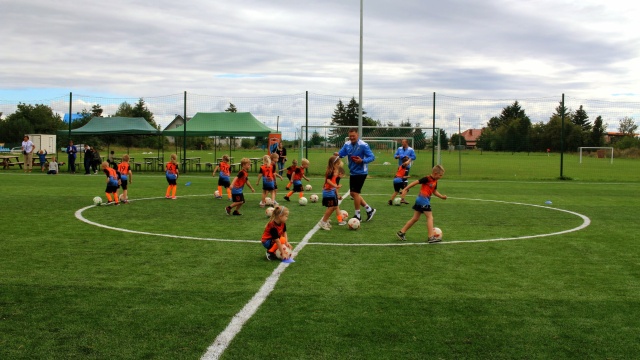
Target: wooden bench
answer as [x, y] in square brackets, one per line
[137, 166]
[233, 166]
[15, 163]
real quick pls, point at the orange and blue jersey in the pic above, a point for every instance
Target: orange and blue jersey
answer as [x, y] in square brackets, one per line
[290, 170]
[271, 233]
[328, 190]
[297, 175]
[400, 174]
[172, 170]
[225, 171]
[267, 174]
[123, 169]
[238, 185]
[112, 175]
[428, 186]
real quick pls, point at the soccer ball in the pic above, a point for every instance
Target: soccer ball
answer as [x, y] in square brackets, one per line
[97, 201]
[302, 201]
[287, 253]
[216, 194]
[437, 233]
[268, 211]
[396, 201]
[313, 198]
[353, 223]
[344, 213]
[268, 201]
[308, 187]
[121, 197]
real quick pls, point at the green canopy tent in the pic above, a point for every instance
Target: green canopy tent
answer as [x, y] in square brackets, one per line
[114, 126]
[239, 124]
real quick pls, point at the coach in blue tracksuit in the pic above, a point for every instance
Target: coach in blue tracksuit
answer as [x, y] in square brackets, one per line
[359, 155]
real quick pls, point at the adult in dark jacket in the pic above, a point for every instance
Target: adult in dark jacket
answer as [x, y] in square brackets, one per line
[88, 159]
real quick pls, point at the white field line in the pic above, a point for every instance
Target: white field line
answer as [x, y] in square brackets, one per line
[223, 340]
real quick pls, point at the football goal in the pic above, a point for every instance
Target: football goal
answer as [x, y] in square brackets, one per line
[600, 151]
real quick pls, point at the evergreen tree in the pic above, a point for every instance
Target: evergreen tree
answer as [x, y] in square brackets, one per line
[596, 136]
[581, 119]
[232, 108]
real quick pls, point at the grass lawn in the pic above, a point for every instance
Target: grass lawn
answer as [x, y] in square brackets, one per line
[164, 285]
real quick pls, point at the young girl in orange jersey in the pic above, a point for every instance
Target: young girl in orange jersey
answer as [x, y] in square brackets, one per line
[274, 164]
[172, 177]
[428, 187]
[330, 192]
[290, 170]
[223, 179]
[268, 179]
[274, 236]
[400, 180]
[126, 177]
[112, 183]
[237, 186]
[296, 179]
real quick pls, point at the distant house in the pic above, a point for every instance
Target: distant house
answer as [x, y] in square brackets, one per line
[611, 137]
[178, 121]
[471, 137]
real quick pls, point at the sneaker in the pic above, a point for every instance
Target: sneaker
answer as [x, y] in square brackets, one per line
[116, 204]
[324, 225]
[218, 197]
[287, 188]
[167, 197]
[229, 199]
[228, 210]
[370, 214]
[390, 202]
[401, 236]
[433, 240]
[271, 256]
[275, 203]
[287, 198]
[357, 217]
[236, 213]
[173, 198]
[343, 222]
[403, 201]
[261, 204]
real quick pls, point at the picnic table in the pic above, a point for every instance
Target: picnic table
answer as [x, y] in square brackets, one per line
[6, 161]
[254, 163]
[190, 161]
[153, 161]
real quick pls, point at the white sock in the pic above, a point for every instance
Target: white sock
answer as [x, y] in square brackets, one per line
[368, 208]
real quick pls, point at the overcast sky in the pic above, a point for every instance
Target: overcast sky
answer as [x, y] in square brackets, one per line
[492, 49]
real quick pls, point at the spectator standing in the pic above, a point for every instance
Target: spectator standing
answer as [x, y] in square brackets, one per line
[405, 150]
[71, 152]
[27, 151]
[88, 159]
[282, 157]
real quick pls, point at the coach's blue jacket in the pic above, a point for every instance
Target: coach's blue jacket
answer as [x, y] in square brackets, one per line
[360, 149]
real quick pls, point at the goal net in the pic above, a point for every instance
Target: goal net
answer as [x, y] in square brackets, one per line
[600, 152]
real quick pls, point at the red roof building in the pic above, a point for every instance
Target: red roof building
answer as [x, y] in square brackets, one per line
[471, 137]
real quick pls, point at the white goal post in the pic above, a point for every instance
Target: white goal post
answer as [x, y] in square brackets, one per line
[596, 148]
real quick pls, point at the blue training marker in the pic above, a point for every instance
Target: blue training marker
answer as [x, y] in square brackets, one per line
[188, 183]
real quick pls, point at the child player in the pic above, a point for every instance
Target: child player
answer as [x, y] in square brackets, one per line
[172, 173]
[274, 164]
[126, 177]
[112, 183]
[274, 236]
[268, 180]
[428, 187]
[290, 170]
[296, 179]
[400, 180]
[223, 178]
[330, 192]
[237, 186]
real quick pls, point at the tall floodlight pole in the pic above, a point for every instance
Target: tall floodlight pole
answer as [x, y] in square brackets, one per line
[360, 85]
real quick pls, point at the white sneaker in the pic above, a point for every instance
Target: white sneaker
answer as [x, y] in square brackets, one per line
[343, 222]
[261, 204]
[324, 225]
